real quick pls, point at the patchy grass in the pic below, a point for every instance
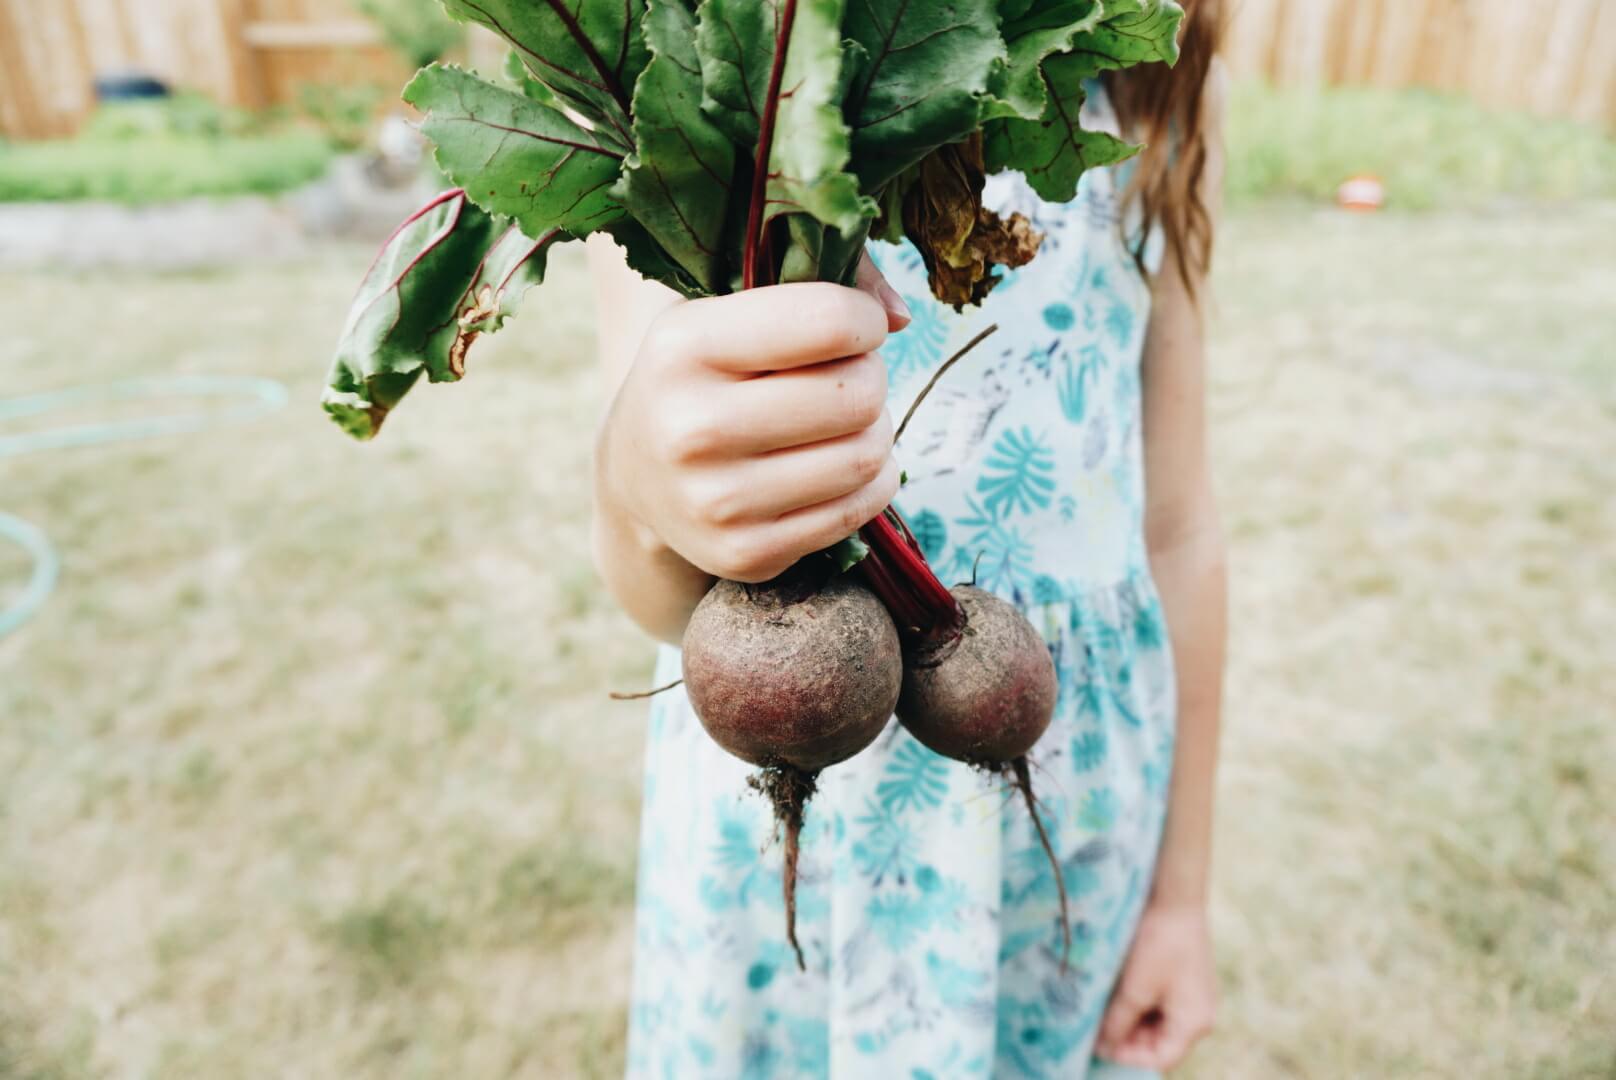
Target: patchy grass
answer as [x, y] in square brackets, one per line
[294, 775]
[160, 168]
[148, 151]
[1431, 149]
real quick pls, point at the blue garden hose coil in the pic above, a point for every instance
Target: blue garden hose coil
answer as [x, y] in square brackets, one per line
[255, 397]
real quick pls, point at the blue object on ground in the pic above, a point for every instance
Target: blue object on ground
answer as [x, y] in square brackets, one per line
[256, 397]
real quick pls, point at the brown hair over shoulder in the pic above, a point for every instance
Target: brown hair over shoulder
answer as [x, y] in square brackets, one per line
[1163, 107]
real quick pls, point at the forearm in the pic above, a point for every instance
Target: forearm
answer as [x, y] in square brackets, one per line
[650, 581]
[1191, 578]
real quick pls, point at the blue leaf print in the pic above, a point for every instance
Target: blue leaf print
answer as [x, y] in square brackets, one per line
[955, 984]
[918, 346]
[1017, 478]
[702, 1051]
[931, 533]
[1046, 590]
[1119, 321]
[736, 849]
[1072, 390]
[1090, 696]
[1006, 559]
[1068, 508]
[887, 847]
[962, 565]
[759, 1060]
[916, 778]
[978, 518]
[1099, 810]
[898, 918]
[1148, 628]
[1032, 1040]
[1088, 750]
[810, 1044]
[1059, 317]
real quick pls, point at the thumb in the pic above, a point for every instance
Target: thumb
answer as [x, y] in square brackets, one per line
[872, 281]
[1129, 1004]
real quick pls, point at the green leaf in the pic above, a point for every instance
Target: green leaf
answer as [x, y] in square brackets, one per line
[589, 52]
[648, 258]
[819, 253]
[1033, 31]
[928, 66]
[449, 274]
[848, 553]
[678, 181]
[514, 156]
[520, 78]
[1133, 32]
[810, 149]
[1054, 150]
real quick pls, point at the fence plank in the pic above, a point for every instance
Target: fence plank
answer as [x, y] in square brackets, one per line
[1551, 56]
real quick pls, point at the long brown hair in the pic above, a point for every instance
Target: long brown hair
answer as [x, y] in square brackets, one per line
[1161, 106]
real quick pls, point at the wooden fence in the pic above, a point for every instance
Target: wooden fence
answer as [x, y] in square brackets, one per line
[1556, 57]
[242, 52]
[1551, 56]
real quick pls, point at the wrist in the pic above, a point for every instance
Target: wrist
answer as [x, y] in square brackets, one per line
[1179, 887]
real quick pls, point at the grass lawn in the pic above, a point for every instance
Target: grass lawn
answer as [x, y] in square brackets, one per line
[308, 768]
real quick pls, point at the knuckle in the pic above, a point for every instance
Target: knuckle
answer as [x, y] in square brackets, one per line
[849, 321]
[886, 486]
[718, 503]
[869, 457]
[669, 337]
[745, 558]
[688, 439]
[856, 512]
[865, 388]
[882, 430]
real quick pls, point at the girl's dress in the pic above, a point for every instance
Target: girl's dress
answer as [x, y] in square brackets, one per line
[926, 907]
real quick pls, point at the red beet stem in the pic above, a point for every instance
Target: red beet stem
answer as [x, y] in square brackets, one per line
[923, 609]
[753, 273]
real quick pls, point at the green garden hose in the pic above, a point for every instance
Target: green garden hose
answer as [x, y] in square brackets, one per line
[254, 398]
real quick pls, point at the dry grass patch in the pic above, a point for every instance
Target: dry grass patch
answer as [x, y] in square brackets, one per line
[307, 768]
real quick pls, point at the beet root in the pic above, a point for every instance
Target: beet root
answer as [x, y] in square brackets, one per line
[794, 675]
[986, 697]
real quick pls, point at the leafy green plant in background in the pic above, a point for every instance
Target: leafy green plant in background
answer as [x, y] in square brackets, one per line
[1430, 149]
[733, 144]
[165, 168]
[418, 30]
[142, 152]
[342, 112]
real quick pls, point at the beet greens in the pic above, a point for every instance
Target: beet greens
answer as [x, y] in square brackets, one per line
[738, 143]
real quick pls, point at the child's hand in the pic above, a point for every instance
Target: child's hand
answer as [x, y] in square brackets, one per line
[1166, 997]
[752, 429]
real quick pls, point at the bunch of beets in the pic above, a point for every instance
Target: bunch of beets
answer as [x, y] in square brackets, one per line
[732, 144]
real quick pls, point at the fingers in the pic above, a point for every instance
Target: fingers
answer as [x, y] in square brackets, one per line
[1174, 1041]
[1143, 1032]
[772, 329]
[772, 485]
[1124, 1020]
[765, 551]
[872, 281]
[805, 405]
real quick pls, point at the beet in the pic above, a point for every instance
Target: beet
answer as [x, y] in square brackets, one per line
[794, 675]
[985, 696]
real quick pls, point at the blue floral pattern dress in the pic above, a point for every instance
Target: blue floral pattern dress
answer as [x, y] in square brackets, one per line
[927, 909]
